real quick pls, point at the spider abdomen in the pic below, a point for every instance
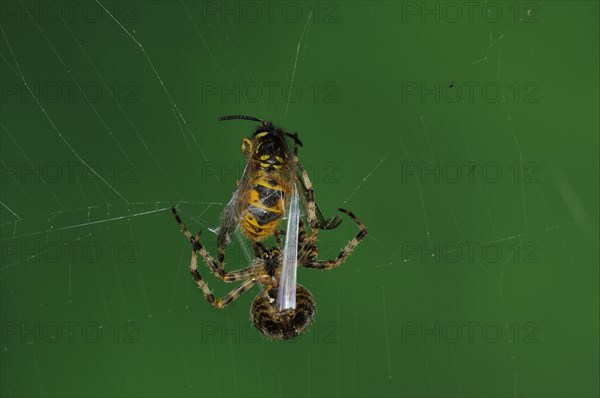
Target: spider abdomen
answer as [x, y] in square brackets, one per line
[282, 325]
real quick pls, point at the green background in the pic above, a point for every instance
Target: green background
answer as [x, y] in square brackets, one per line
[81, 256]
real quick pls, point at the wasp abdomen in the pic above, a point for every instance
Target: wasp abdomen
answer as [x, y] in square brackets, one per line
[264, 208]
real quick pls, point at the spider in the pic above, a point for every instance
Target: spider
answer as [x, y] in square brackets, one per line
[265, 270]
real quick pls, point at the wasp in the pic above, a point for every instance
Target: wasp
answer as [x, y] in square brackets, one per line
[259, 202]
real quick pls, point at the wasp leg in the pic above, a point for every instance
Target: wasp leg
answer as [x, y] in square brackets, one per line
[278, 234]
[259, 249]
[310, 195]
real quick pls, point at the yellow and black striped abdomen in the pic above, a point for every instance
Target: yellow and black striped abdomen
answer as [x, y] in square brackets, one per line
[264, 206]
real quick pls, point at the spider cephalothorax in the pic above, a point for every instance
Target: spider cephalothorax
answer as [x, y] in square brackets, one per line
[272, 260]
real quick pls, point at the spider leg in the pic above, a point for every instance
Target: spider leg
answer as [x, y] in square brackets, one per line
[243, 274]
[217, 270]
[184, 229]
[301, 232]
[301, 235]
[231, 276]
[307, 247]
[221, 258]
[330, 264]
[225, 300]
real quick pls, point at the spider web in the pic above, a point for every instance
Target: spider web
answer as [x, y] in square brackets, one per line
[99, 246]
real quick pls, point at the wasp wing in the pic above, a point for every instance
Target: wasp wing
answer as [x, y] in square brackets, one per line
[230, 218]
[243, 243]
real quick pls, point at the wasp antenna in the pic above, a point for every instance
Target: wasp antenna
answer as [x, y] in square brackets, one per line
[240, 117]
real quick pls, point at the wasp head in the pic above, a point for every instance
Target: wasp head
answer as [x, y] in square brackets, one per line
[267, 147]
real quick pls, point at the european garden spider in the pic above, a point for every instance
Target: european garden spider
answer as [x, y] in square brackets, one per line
[265, 270]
